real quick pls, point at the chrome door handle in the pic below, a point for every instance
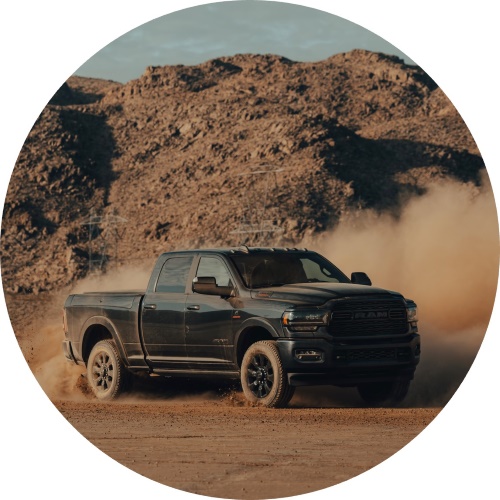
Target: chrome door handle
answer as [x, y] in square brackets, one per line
[149, 306]
[193, 308]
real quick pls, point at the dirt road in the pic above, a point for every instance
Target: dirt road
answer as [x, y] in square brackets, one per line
[219, 447]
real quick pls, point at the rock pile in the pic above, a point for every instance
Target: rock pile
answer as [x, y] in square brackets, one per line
[172, 152]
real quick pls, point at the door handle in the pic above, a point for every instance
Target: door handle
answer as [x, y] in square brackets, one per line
[193, 308]
[149, 306]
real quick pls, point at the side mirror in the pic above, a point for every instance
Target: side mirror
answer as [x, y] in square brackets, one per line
[360, 279]
[207, 285]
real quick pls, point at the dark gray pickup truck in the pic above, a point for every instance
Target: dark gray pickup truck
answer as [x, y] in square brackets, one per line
[274, 318]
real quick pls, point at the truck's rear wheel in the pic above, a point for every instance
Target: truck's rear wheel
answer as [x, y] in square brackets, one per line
[263, 379]
[377, 394]
[106, 374]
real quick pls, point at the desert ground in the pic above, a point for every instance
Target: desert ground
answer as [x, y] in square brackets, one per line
[219, 447]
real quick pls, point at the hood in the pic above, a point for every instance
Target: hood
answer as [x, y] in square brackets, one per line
[319, 293]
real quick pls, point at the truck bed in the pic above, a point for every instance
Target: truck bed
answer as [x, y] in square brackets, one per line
[118, 312]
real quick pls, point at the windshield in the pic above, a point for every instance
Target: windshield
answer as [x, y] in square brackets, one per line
[263, 269]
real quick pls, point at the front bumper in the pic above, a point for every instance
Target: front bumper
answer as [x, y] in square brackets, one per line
[350, 363]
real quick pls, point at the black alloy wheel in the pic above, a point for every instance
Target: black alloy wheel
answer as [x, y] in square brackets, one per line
[263, 379]
[260, 376]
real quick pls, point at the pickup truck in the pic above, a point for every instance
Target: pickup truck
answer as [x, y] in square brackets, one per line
[274, 318]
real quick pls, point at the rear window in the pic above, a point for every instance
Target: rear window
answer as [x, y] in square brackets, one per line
[174, 274]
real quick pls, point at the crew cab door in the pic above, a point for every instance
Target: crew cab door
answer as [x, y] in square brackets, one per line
[209, 334]
[163, 315]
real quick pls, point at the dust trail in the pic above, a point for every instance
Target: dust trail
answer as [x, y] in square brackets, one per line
[442, 251]
[123, 278]
[58, 378]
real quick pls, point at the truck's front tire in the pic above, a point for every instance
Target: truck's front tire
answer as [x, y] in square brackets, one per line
[106, 374]
[263, 378]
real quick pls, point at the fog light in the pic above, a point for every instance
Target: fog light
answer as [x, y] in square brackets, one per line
[308, 355]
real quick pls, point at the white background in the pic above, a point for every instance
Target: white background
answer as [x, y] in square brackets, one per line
[45, 42]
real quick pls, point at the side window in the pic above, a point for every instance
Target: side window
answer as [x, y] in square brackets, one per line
[210, 266]
[173, 275]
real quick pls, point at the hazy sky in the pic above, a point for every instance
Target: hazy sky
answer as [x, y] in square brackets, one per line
[195, 35]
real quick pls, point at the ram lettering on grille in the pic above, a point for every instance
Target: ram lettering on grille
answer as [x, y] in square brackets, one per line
[371, 315]
[369, 318]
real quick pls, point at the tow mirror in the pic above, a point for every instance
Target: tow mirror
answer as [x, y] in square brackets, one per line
[207, 285]
[360, 279]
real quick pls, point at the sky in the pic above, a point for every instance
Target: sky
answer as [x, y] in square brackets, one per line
[198, 34]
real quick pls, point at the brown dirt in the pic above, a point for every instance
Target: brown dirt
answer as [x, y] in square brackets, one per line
[216, 449]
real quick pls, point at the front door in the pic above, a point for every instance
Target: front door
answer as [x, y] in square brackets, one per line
[209, 334]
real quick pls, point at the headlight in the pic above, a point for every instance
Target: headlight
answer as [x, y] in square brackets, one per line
[305, 320]
[411, 311]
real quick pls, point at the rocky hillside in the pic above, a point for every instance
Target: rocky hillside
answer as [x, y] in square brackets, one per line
[177, 153]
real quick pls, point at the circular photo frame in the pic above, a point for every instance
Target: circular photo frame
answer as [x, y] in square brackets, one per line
[248, 125]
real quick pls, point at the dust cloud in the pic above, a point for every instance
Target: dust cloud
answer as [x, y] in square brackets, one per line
[441, 251]
[58, 378]
[120, 279]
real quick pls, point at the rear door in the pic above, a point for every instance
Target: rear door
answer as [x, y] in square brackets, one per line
[163, 315]
[209, 333]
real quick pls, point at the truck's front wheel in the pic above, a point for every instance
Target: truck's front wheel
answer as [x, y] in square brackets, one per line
[263, 379]
[106, 374]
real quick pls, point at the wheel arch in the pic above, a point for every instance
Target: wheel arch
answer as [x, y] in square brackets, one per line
[252, 331]
[96, 329]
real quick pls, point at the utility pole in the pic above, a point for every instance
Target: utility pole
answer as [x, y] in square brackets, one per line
[103, 237]
[254, 221]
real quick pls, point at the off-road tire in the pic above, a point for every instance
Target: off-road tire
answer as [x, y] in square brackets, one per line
[263, 378]
[106, 374]
[399, 391]
[384, 393]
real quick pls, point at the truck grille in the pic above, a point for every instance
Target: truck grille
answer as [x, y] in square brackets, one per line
[397, 354]
[369, 317]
